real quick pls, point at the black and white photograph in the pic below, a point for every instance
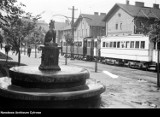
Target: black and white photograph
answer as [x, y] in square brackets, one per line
[79, 54]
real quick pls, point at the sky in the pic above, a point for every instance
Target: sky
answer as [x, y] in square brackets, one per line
[52, 9]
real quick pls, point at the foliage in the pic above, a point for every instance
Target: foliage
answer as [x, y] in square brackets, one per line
[16, 23]
[69, 39]
[9, 11]
[154, 31]
[1, 39]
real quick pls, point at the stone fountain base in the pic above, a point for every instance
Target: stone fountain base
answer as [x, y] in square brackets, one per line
[48, 85]
[57, 88]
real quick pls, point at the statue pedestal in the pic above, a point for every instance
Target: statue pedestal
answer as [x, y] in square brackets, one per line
[49, 60]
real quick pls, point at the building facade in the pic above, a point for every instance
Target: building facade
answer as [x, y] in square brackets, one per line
[124, 19]
[88, 25]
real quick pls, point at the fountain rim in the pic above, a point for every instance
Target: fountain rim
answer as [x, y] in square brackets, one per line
[95, 90]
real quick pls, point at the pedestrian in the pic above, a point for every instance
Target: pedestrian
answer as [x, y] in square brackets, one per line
[29, 51]
[7, 48]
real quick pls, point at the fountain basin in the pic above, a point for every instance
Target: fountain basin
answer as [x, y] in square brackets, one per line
[32, 77]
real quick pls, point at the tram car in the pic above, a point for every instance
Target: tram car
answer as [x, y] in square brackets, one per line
[135, 50]
[83, 50]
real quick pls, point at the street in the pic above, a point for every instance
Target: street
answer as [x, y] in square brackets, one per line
[125, 87]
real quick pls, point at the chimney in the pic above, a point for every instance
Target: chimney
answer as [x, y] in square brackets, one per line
[127, 2]
[103, 14]
[95, 13]
[156, 6]
[139, 4]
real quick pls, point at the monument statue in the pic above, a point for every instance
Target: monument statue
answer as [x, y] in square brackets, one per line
[50, 50]
[50, 37]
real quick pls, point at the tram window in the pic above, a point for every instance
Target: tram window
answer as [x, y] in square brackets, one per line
[142, 44]
[64, 43]
[80, 44]
[111, 44]
[137, 44]
[75, 43]
[107, 44]
[95, 44]
[127, 44]
[114, 45]
[89, 44]
[103, 44]
[154, 43]
[118, 44]
[122, 44]
[132, 44]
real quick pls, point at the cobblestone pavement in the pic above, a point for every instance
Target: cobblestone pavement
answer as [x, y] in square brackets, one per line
[121, 92]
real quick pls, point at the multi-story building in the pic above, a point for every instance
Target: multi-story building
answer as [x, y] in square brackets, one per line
[86, 26]
[89, 26]
[125, 19]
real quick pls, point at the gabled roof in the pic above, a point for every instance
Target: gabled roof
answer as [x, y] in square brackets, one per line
[134, 11]
[92, 20]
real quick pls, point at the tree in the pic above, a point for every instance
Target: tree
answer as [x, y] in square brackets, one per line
[9, 11]
[69, 39]
[154, 35]
[16, 24]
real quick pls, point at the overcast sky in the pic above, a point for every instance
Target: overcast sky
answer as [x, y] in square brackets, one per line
[53, 7]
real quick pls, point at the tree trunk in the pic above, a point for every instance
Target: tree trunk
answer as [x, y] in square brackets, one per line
[35, 51]
[19, 53]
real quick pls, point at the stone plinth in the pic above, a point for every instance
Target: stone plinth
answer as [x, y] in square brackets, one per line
[49, 60]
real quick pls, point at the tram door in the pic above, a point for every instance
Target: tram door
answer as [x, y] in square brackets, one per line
[154, 51]
[84, 47]
[92, 48]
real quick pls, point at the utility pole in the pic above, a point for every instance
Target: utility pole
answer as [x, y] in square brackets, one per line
[72, 25]
[158, 48]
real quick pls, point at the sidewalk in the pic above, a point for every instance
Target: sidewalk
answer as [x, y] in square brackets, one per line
[121, 92]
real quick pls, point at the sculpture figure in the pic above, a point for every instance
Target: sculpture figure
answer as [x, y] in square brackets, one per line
[50, 37]
[50, 50]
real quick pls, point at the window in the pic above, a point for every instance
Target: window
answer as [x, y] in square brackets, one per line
[89, 44]
[122, 44]
[119, 14]
[137, 44]
[114, 45]
[142, 44]
[104, 44]
[118, 44]
[116, 26]
[111, 44]
[132, 44]
[107, 44]
[127, 44]
[80, 44]
[120, 26]
[95, 44]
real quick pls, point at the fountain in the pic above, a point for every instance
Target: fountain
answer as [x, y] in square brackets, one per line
[49, 85]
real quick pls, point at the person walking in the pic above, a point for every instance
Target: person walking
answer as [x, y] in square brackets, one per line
[29, 51]
[7, 48]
